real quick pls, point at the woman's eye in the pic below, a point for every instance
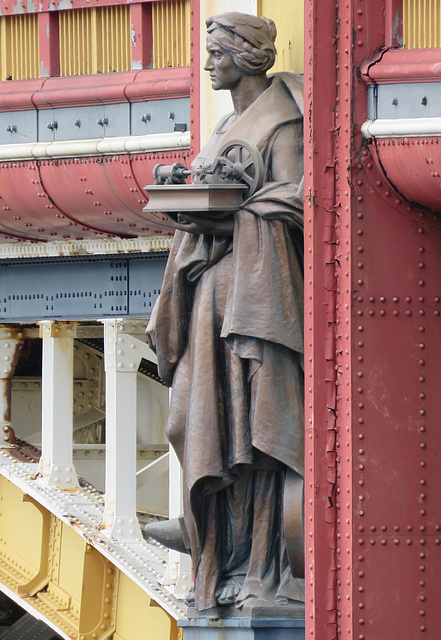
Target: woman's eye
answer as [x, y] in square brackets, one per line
[218, 56]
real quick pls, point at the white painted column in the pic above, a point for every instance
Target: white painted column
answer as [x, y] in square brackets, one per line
[122, 356]
[56, 462]
[11, 342]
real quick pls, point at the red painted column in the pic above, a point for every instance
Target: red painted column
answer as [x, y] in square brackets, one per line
[394, 23]
[195, 107]
[141, 34]
[373, 344]
[49, 43]
[320, 292]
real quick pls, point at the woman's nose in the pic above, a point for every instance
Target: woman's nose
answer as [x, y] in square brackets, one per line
[208, 64]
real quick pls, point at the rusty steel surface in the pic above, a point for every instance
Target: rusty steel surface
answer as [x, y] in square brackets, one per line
[24, 452]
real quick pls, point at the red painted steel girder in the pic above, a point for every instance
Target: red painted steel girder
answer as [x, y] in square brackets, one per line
[384, 307]
[156, 221]
[413, 166]
[403, 65]
[80, 189]
[106, 88]
[26, 210]
[81, 198]
[32, 6]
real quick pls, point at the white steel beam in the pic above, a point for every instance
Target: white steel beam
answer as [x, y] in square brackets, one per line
[401, 127]
[152, 470]
[122, 356]
[56, 462]
[11, 342]
[95, 147]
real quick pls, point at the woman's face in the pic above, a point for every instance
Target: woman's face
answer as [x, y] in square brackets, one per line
[224, 73]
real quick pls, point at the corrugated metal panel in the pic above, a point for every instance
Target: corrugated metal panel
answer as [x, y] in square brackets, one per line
[95, 40]
[19, 50]
[421, 24]
[75, 42]
[171, 33]
[113, 38]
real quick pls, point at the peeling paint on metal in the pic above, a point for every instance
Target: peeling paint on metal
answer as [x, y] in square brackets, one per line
[65, 4]
[31, 8]
[136, 65]
[44, 71]
[18, 8]
[397, 30]
[133, 34]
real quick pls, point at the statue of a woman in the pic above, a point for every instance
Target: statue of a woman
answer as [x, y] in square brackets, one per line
[227, 329]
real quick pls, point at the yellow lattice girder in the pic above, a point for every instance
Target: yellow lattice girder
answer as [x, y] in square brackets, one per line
[69, 582]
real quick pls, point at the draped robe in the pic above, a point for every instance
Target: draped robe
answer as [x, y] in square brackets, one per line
[228, 332]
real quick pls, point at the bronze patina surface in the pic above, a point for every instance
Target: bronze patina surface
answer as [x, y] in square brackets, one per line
[228, 331]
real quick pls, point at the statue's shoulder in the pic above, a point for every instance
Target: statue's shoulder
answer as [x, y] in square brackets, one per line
[293, 82]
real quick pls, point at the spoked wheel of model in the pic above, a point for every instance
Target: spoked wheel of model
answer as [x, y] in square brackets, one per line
[293, 507]
[243, 162]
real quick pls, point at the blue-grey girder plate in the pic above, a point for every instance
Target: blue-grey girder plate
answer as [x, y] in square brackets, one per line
[80, 288]
[408, 100]
[159, 111]
[83, 123]
[78, 123]
[22, 126]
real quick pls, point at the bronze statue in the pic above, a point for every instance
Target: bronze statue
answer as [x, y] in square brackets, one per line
[228, 332]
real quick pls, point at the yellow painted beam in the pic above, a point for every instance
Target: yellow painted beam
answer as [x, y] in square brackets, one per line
[67, 581]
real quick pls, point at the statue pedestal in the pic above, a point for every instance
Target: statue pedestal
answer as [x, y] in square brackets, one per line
[243, 628]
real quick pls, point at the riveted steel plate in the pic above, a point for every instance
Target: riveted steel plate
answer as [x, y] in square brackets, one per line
[77, 123]
[18, 126]
[409, 100]
[159, 112]
[145, 282]
[79, 287]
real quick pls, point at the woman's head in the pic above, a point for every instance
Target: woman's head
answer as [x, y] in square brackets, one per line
[248, 39]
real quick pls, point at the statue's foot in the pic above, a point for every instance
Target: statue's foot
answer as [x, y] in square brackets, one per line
[228, 590]
[170, 533]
